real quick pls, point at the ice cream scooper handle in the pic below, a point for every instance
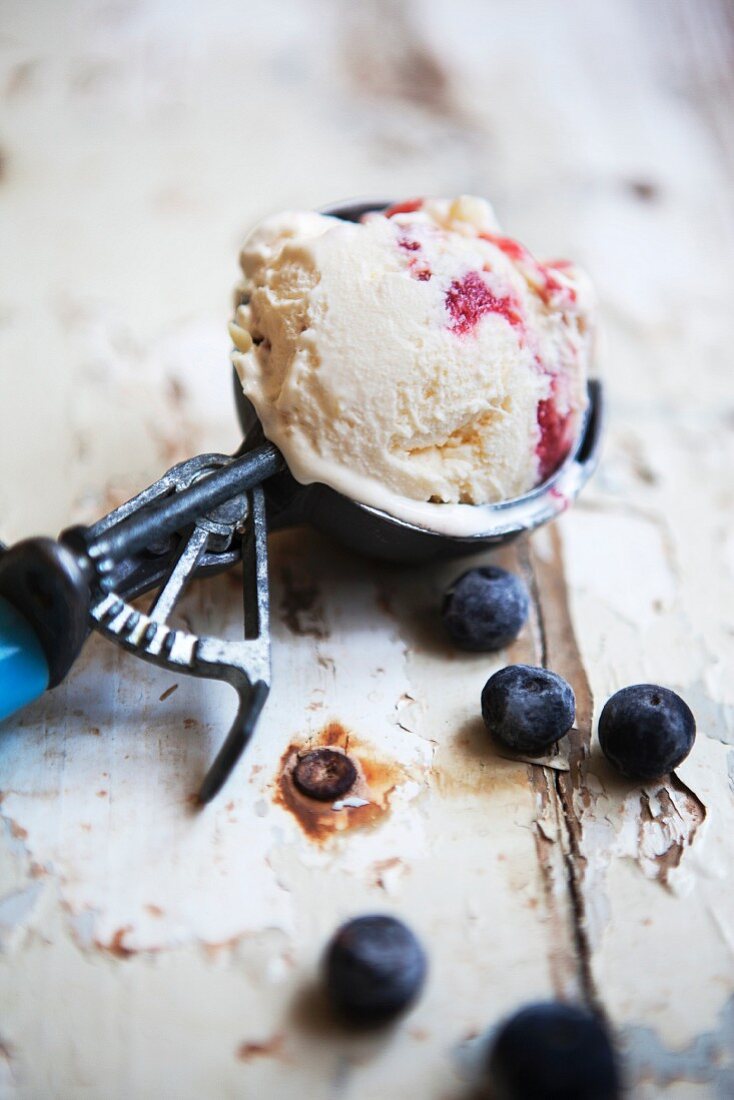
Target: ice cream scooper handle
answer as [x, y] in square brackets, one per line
[51, 592]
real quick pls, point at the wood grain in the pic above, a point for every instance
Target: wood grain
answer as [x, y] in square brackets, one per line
[177, 954]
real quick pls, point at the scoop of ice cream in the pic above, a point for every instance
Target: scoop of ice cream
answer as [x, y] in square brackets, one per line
[417, 361]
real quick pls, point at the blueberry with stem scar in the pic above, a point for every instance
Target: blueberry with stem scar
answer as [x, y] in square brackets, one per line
[646, 731]
[553, 1051]
[485, 609]
[528, 709]
[375, 968]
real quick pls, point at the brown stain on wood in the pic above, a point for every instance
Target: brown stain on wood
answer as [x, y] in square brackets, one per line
[266, 1048]
[644, 190]
[377, 779]
[116, 946]
[469, 764]
[300, 604]
[381, 867]
[403, 66]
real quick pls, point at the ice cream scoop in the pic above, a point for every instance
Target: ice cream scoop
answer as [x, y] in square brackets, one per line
[205, 515]
[415, 360]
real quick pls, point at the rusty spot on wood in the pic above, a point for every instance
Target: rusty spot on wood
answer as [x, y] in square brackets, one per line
[300, 608]
[376, 781]
[18, 831]
[167, 693]
[381, 867]
[644, 190]
[101, 794]
[190, 723]
[154, 910]
[334, 733]
[266, 1048]
[116, 946]
[214, 949]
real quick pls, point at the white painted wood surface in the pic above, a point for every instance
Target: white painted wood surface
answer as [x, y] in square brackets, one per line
[148, 950]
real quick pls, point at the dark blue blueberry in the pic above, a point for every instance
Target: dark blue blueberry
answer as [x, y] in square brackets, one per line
[485, 609]
[553, 1052]
[527, 708]
[375, 967]
[645, 731]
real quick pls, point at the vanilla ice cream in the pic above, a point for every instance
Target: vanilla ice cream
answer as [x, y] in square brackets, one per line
[417, 361]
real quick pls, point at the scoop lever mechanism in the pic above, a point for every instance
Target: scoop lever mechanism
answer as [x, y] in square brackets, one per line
[203, 516]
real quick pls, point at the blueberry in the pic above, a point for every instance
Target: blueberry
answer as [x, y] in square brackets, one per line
[528, 708]
[485, 609]
[645, 731]
[375, 967]
[553, 1051]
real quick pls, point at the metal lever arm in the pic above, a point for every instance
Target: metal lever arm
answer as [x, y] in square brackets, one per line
[244, 664]
[53, 589]
[161, 517]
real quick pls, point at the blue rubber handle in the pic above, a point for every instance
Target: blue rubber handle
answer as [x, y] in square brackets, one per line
[24, 671]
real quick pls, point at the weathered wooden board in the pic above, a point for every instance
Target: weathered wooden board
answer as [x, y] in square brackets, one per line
[146, 949]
